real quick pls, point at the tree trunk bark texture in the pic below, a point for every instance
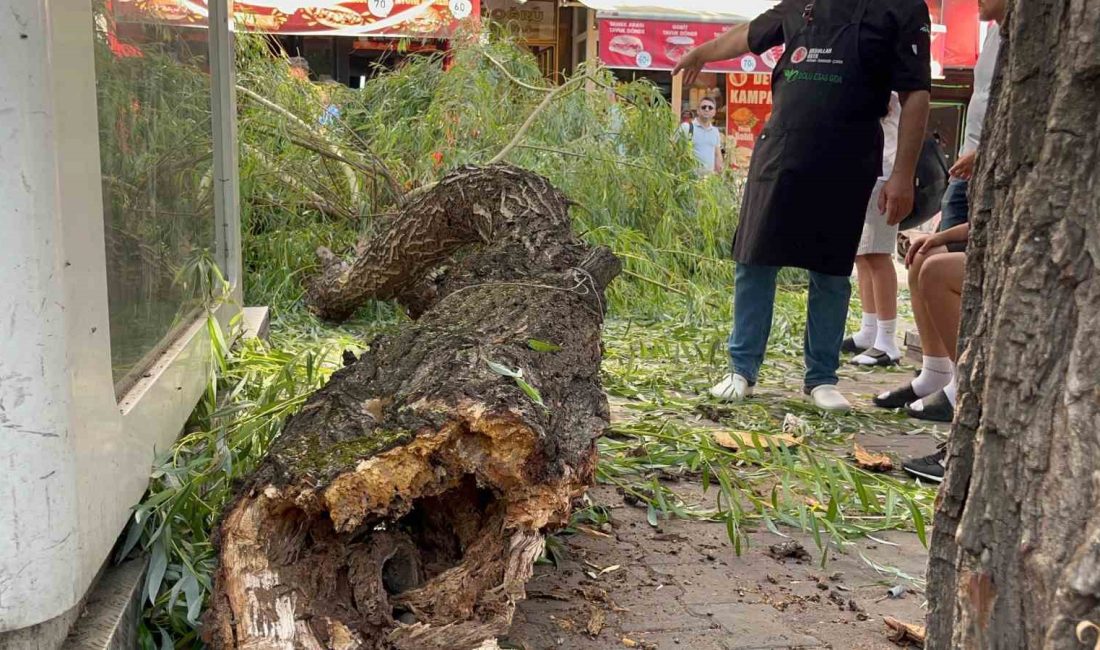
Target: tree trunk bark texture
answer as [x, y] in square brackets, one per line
[1015, 558]
[402, 507]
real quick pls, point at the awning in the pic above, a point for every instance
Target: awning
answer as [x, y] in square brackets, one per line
[377, 18]
[714, 10]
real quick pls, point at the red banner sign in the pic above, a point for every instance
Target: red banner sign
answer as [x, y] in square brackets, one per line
[748, 107]
[659, 45]
[391, 18]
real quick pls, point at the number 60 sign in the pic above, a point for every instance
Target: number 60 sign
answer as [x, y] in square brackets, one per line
[461, 8]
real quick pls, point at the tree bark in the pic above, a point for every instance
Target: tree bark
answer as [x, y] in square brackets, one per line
[1015, 558]
[402, 507]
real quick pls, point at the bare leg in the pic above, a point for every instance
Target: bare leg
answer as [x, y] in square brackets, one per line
[941, 285]
[931, 344]
[936, 367]
[884, 285]
[866, 279]
[865, 336]
[941, 288]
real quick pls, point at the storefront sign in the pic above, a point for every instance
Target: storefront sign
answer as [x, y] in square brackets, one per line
[387, 18]
[748, 107]
[659, 45]
[533, 21]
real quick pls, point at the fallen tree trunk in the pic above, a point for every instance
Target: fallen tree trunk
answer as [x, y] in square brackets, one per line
[402, 507]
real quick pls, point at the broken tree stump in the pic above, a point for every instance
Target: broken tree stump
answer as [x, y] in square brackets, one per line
[403, 506]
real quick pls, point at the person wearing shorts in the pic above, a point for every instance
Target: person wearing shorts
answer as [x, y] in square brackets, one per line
[878, 281]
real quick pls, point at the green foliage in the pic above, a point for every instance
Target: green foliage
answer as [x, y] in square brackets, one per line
[612, 152]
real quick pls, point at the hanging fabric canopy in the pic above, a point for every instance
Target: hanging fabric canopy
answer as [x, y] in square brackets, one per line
[724, 10]
[373, 18]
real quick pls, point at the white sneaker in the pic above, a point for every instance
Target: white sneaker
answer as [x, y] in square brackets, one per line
[828, 398]
[732, 388]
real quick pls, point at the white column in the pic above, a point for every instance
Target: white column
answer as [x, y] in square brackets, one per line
[38, 519]
[74, 457]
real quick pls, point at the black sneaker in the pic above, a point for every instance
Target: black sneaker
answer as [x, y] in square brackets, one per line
[930, 468]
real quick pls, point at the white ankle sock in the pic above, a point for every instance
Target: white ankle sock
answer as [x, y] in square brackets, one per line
[951, 390]
[884, 339]
[936, 373]
[865, 337]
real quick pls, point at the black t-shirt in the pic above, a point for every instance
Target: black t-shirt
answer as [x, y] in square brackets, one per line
[894, 38]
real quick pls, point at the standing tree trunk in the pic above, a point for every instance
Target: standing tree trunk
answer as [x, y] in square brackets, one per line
[402, 507]
[1015, 558]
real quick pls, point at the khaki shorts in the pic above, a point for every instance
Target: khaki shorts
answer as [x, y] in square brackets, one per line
[878, 237]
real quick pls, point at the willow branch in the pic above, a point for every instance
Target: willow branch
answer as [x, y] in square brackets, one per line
[574, 154]
[513, 79]
[315, 199]
[349, 175]
[561, 90]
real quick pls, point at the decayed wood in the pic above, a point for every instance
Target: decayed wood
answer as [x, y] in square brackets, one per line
[1015, 557]
[402, 507]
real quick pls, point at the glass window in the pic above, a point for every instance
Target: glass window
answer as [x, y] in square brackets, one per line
[155, 143]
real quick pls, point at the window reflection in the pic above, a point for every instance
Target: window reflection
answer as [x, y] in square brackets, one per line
[155, 139]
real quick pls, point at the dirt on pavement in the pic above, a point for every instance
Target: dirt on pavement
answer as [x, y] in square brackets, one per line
[680, 585]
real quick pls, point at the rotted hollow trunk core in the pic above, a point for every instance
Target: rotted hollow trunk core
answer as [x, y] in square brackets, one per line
[403, 505]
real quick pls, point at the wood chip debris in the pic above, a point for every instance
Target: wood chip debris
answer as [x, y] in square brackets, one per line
[592, 531]
[904, 634]
[872, 461]
[794, 425]
[549, 595]
[598, 571]
[789, 549]
[596, 620]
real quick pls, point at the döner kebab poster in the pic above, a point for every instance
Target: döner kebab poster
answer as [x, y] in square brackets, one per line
[416, 18]
[658, 45]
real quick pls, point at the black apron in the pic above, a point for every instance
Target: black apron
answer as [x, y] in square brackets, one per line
[816, 161]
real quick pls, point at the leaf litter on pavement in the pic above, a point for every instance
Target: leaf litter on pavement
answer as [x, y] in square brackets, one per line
[769, 462]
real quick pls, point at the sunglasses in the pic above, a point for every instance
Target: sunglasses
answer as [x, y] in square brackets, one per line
[706, 108]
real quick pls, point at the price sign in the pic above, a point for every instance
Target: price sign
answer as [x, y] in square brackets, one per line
[380, 8]
[461, 8]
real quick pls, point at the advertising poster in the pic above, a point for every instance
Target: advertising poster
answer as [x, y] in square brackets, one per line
[749, 105]
[659, 45]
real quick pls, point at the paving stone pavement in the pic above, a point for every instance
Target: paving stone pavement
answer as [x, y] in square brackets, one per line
[680, 585]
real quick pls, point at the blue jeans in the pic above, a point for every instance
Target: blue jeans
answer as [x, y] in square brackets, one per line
[955, 206]
[753, 300]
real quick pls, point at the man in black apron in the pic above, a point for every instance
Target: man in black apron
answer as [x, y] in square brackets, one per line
[816, 162]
